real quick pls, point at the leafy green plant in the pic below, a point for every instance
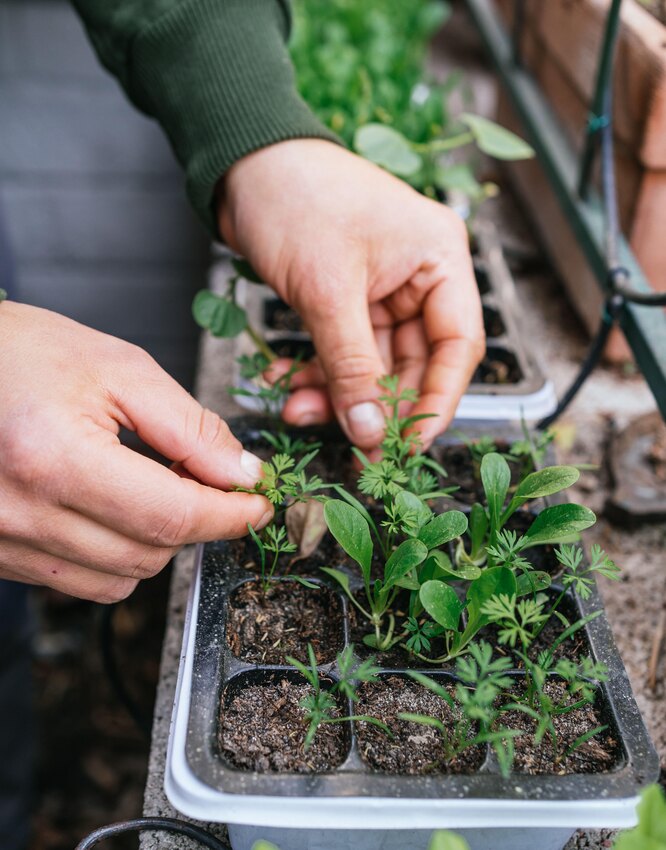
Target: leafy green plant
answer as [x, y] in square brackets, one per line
[444, 839]
[351, 529]
[650, 833]
[474, 706]
[555, 524]
[371, 57]
[319, 705]
[284, 482]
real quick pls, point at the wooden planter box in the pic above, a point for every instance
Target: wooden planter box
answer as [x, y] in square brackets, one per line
[560, 46]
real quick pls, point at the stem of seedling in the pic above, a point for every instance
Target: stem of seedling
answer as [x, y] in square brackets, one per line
[260, 343]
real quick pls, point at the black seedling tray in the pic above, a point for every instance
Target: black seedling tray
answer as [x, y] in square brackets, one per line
[508, 368]
[217, 673]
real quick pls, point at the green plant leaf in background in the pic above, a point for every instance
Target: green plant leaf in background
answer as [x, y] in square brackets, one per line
[650, 834]
[432, 16]
[495, 140]
[222, 317]
[557, 524]
[264, 845]
[444, 839]
[387, 147]
[458, 177]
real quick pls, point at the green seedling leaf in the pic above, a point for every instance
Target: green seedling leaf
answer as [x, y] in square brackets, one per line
[443, 528]
[431, 17]
[558, 523]
[409, 505]
[351, 530]
[545, 482]
[266, 845]
[245, 270]
[444, 839]
[219, 315]
[442, 603]
[439, 566]
[532, 582]
[492, 582]
[341, 578]
[650, 834]
[495, 140]
[387, 147]
[406, 557]
[478, 525]
[496, 478]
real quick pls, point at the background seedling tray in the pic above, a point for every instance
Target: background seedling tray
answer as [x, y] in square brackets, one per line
[526, 394]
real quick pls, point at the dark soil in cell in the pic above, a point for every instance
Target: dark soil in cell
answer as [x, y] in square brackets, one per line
[264, 628]
[281, 317]
[493, 322]
[413, 749]
[462, 471]
[498, 366]
[263, 728]
[600, 754]
[293, 348]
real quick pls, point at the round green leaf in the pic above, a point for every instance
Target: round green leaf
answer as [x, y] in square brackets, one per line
[388, 148]
[223, 318]
[443, 839]
[558, 523]
[409, 554]
[546, 482]
[442, 603]
[443, 528]
[495, 140]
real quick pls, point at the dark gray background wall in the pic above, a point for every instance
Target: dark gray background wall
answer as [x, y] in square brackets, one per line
[91, 197]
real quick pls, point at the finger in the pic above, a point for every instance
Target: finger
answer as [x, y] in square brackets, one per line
[167, 418]
[33, 567]
[310, 375]
[310, 406]
[345, 342]
[74, 537]
[454, 328]
[152, 504]
[410, 349]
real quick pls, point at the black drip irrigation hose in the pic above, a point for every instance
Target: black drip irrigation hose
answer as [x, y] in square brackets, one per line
[107, 639]
[179, 827]
[620, 292]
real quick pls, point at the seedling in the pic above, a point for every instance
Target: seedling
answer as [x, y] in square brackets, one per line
[473, 706]
[351, 529]
[320, 705]
[555, 524]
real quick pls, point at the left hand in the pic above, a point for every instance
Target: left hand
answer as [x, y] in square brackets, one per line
[381, 275]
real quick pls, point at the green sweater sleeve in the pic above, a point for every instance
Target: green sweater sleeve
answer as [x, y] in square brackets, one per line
[216, 75]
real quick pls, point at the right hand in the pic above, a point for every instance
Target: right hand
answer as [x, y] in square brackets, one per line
[79, 512]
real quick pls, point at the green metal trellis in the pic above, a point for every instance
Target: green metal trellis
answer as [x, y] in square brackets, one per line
[644, 326]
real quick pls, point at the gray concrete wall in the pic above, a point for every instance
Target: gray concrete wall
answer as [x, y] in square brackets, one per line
[91, 197]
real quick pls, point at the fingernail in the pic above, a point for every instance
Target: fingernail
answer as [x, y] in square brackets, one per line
[307, 419]
[263, 522]
[365, 421]
[251, 464]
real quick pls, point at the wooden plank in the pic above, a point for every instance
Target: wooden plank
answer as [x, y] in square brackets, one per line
[647, 234]
[556, 235]
[572, 30]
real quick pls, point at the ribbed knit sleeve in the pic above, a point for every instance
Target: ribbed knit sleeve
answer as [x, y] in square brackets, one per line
[216, 74]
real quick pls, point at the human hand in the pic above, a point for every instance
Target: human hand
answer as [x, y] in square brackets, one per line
[381, 275]
[79, 512]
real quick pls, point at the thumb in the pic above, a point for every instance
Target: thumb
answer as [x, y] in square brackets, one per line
[168, 419]
[345, 342]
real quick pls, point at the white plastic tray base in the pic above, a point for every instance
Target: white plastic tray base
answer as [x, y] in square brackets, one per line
[369, 823]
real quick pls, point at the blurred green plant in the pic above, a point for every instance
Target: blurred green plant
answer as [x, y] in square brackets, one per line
[650, 833]
[361, 66]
